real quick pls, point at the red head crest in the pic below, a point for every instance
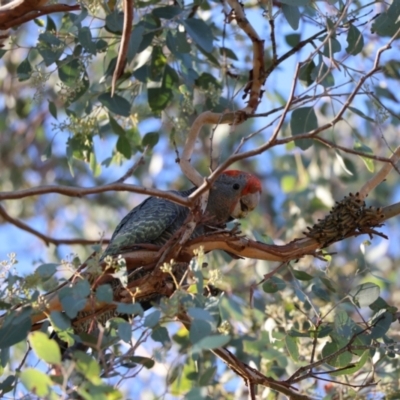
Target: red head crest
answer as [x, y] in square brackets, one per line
[253, 183]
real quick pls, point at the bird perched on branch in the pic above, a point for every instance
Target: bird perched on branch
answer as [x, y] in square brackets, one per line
[157, 223]
[157, 220]
[233, 195]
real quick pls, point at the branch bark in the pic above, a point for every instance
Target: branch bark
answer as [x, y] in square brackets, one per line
[20, 11]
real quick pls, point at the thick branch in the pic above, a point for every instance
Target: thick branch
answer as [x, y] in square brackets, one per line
[21, 11]
[123, 49]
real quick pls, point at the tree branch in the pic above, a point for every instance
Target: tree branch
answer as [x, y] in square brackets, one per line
[123, 49]
[81, 192]
[21, 11]
[47, 239]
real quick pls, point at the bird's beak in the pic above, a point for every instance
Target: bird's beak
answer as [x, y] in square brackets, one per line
[246, 204]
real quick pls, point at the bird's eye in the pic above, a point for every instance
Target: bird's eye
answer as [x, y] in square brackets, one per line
[236, 186]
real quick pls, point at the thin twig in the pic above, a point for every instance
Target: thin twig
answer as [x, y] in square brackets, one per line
[71, 191]
[47, 239]
[132, 169]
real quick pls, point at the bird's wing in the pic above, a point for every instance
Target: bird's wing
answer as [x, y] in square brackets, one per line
[151, 222]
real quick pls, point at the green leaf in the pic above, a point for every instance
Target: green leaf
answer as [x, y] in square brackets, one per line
[211, 342]
[53, 109]
[331, 47]
[343, 325]
[199, 329]
[125, 331]
[177, 43]
[170, 78]
[159, 98]
[369, 162]
[293, 39]
[306, 74]
[328, 284]
[46, 349]
[124, 147]
[355, 367]
[382, 326]
[142, 73]
[380, 304]
[302, 276]
[207, 377]
[167, 12]
[391, 69]
[101, 45]
[302, 121]
[7, 385]
[116, 127]
[86, 40]
[60, 320]
[36, 382]
[292, 347]
[116, 104]
[361, 114]
[288, 183]
[323, 75]
[104, 293]
[321, 293]
[51, 26]
[157, 64]
[205, 80]
[292, 15]
[340, 361]
[387, 23]
[365, 294]
[46, 271]
[201, 314]
[39, 22]
[50, 48]
[226, 52]
[15, 328]
[145, 361]
[200, 32]
[95, 167]
[150, 139]
[70, 72]
[160, 334]
[115, 22]
[50, 39]
[134, 42]
[355, 40]
[88, 366]
[24, 70]
[73, 299]
[152, 319]
[83, 87]
[273, 285]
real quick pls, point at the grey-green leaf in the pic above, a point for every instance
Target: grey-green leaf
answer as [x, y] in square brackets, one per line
[355, 40]
[365, 294]
[292, 15]
[200, 32]
[46, 349]
[302, 121]
[115, 104]
[273, 285]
